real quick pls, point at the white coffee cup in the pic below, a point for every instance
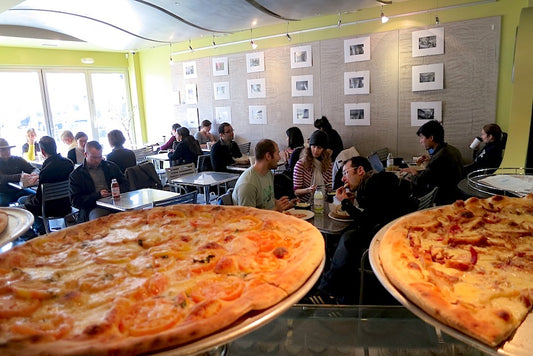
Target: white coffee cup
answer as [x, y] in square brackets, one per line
[475, 144]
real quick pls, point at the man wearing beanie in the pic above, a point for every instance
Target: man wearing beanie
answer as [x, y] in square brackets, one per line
[313, 170]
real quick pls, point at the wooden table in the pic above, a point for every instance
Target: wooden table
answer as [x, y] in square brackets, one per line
[205, 180]
[136, 199]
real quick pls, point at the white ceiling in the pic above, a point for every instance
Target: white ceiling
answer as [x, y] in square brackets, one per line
[129, 25]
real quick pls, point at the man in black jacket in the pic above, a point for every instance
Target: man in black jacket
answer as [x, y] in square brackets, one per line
[55, 169]
[381, 198]
[92, 181]
[225, 149]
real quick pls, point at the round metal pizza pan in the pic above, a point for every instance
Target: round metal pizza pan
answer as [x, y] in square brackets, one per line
[387, 284]
[248, 323]
[19, 221]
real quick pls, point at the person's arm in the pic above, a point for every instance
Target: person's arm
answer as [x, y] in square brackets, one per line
[218, 159]
[79, 196]
[298, 180]
[168, 144]
[235, 150]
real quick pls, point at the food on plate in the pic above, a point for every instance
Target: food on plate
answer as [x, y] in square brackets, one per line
[147, 280]
[297, 214]
[302, 205]
[469, 264]
[338, 213]
[4, 220]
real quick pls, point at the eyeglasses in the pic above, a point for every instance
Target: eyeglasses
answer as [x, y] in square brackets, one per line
[229, 131]
[345, 172]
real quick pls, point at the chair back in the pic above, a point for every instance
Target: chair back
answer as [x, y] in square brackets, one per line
[382, 153]
[143, 175]
[141, 153]
[178, 171]
[225, 199]
[189, 198]
[245, 148]
[428, 200]
[204, 163]
[54, 194]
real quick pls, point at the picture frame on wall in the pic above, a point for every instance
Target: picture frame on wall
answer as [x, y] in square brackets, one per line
[357, 114]
[301, 56]
[302, 85]
[257, 115]
[424, 111]
[189, 70]
[256, 88]
[428, 77]
[222, 114]
[357, 49]
[255, 62]
[191, 96]
[303, 114]
[221, 91]
[357, 82]
[192, 118]
[428, 42]
[220, 66]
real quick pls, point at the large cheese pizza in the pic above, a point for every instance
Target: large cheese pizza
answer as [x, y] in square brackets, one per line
[147, 280]
[469, 264]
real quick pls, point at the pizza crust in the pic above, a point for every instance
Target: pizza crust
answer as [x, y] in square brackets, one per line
[4, 220]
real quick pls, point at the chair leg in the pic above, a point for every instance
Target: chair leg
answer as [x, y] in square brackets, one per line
[362, 276]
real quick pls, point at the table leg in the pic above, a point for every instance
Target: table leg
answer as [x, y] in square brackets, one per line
[206, 194]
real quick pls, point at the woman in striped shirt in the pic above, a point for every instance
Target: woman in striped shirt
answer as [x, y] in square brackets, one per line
[314, 169]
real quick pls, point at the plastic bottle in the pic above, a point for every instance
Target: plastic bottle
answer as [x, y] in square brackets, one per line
[115, 189]
[390, 160]
[318, 201]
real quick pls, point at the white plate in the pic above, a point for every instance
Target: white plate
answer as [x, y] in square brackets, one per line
[520, 344]
[300, 213]
[348, 219]
[19, 221]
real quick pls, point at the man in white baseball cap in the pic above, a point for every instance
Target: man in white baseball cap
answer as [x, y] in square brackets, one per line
[11, 170]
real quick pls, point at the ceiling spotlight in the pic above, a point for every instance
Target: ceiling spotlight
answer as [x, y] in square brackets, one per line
[384, 19]
[340, 21]
[253, 44]
[190, 46]
[385, 2]
[289, 37]
[214, 43]
[437, 21]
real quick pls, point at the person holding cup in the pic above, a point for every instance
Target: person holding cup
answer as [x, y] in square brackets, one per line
[490, 156]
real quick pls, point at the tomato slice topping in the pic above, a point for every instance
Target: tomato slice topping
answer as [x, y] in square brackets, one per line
[224, 288]
[11, 306]
[35, 289]
[54, 325]
[151, 316]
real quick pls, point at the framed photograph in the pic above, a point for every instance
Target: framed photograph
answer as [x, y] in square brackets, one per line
[302, 85]
[357, 82]
[357, 49]
[256, 88]
[220, 66]
[422, 112]
[301, 57]
[303, 114]
[257, 115]
[428, 77]
[357, 114]
[255, 62]
[192, 118]
[221, 90]
[189, 70]
[191, 96]
[222, 114]
[428, 42]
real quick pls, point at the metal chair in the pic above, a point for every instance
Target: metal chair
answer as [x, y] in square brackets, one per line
[245, 148]
[428, 200]
[51, 193]
[141, 154]
[178, 171]
[189, 198]
[204, 163]
[225, 199]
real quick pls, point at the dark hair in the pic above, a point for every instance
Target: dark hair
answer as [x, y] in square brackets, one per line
[263, 147]
[189, 141]
[206, 123]
[323, 124]
[308, 159]
[359, 161]
[93, 144]
[175, 127]
[116, 138]
[494, 130]
[432, 128]
[79, 135]
[222, 127]
[296, 139]
[48, 145]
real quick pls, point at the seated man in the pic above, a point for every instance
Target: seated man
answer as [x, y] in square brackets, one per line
[381, 198]
[444, 169]
[255, 187]
[11, 170]
[225, 149]
[55, 169]
[92, 181]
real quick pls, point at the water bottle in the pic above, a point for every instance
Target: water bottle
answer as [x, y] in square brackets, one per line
[115, 189]
[390, 160]
[318, 201]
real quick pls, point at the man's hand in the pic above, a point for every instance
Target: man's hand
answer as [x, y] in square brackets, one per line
[343, 193]
[411, 170]
[104, 193]
[284, 203]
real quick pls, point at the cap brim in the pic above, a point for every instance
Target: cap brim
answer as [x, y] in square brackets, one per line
[6, 147]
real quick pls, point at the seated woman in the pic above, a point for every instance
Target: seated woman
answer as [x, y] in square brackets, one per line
[295, 142]
[123, 157]
[313, 170]
[492, 153]
[187, 149]
[77, 154]
[31, 148]
[203, 136]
